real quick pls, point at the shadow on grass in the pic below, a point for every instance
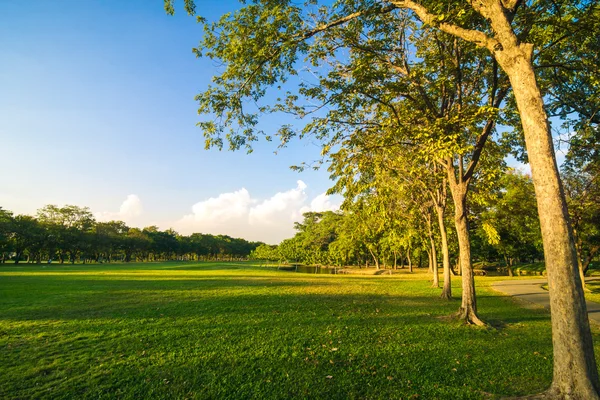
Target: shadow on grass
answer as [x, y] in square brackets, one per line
[233, 298]
[259, 336]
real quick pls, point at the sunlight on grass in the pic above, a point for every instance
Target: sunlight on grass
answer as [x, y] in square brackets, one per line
[237, 331]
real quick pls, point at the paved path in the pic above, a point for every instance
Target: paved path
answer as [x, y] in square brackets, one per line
[531, 291]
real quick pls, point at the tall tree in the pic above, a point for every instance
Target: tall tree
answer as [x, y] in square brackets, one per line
[274, 33]
[575, 372]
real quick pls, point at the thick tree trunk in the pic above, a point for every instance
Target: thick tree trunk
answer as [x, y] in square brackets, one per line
[447, 290]
[578, 252]
[575, 373]
[468, 308]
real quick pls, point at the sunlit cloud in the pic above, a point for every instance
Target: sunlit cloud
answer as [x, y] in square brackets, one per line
[238, 214]
[129, 210]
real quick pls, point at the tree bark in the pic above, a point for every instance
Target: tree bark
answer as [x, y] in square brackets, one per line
[575, 373]
[468, 308]
[429, 262]
[434, 266]
[447, 290]
[374, 259]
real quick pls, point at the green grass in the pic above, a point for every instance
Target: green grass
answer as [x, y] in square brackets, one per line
[538, 268]
[235, 331]
[593, 290]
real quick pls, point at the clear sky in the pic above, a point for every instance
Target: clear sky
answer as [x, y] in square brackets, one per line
[97, 109]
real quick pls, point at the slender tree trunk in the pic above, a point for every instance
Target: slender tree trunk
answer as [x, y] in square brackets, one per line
[589, 259]
[436, 278]
[410, 265]
[447, 290]
[430, 262]
[575, 373]
[374, 259]
[434, 265]
[468, 308]
[509, 264]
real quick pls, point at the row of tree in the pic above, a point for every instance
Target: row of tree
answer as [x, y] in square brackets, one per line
[405, 97]
[504, 231]
[71, 234]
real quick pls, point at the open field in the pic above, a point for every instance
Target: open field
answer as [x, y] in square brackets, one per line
[237, 331]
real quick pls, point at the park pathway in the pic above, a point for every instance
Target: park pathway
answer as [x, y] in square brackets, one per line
[531, 291]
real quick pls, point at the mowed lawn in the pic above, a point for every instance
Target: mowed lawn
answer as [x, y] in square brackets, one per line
[207, 330]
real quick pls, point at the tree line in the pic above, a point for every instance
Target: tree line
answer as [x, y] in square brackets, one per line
[504, 232]
[71, 234]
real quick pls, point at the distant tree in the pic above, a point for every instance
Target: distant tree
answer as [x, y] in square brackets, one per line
[511, 224]
[138, 245]
[315, 233]
[26, 235]
[109, 238]
[6, 220]
[69, 228]
[265, 252]
[581, 175]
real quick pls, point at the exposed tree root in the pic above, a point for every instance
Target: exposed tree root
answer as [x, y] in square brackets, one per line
[539, 396]
[553, 394]
[469, 317]
[445, 295]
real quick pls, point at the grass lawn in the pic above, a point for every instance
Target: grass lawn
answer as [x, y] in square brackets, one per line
[593, 290]
[235, 331]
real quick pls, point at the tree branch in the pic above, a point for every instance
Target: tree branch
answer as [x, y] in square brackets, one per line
[479, 144]
[470, 35]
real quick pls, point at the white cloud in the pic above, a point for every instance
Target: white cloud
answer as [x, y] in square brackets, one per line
[129, 210]
[238, 214]
[283, 207]
[225, 207]
[322, 202]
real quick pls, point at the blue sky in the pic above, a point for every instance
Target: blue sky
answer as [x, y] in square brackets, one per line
[97, 109]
